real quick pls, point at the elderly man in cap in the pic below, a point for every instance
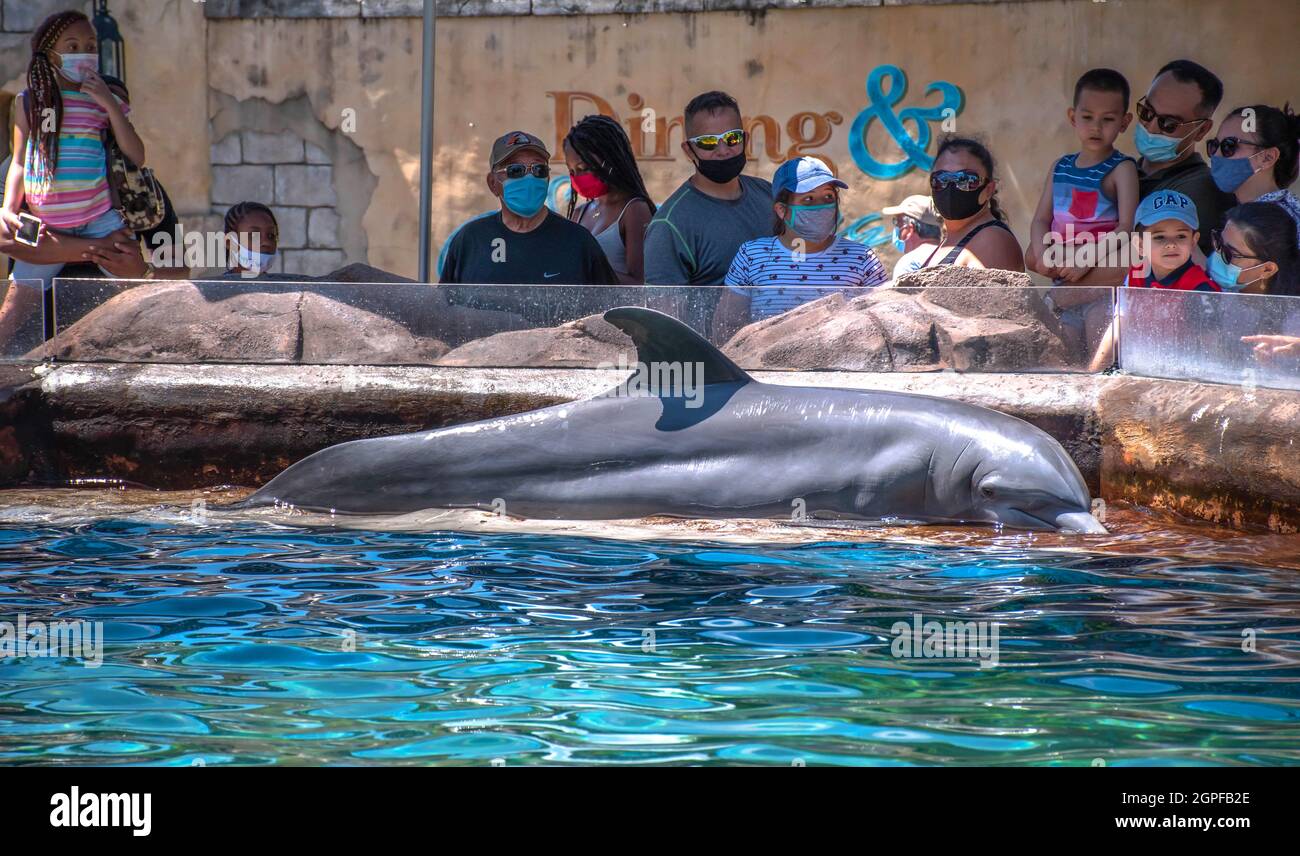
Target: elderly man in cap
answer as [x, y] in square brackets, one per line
[916, 232]
[526, 243]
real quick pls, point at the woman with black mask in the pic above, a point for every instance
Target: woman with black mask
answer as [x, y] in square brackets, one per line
[975, 232]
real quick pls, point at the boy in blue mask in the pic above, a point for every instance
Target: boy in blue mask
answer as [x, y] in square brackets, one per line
[526, 243]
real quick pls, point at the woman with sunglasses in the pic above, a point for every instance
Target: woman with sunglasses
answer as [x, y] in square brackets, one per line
[1260, 164]
[964, 189]
[1255, 253]
[603, 170]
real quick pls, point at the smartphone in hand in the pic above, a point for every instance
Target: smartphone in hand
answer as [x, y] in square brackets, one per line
[30, 232]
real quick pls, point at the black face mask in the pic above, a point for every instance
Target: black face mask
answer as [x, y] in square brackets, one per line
[722, 171]
[954, 204]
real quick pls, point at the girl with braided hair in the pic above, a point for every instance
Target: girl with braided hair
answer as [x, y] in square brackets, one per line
[603, 170]
[59, 166]
[253, 236]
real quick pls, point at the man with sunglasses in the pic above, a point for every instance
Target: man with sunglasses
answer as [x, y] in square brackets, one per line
[1172, 117]
[696, 232]
[1175, 114]
[526, 243]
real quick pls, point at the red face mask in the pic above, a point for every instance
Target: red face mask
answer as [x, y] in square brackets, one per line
[589, 185]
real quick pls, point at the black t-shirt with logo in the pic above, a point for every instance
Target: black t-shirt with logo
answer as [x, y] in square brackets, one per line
[558, 252]
[486, 260]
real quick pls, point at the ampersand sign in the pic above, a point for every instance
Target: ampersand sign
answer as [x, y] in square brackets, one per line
[880, 107]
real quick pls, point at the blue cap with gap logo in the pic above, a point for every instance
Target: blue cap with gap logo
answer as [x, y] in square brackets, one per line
[1167, 205]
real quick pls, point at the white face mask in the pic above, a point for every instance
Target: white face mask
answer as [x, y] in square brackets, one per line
[251, 261]
[75, 66]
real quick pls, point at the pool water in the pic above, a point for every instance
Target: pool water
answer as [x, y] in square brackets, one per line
[246, 643]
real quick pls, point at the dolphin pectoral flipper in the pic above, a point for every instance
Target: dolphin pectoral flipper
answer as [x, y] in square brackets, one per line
[661, 339]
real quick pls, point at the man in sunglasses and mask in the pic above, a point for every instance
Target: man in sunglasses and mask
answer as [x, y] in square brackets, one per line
[526, 243]
[696, 232]
[1173, 116]
[1177, 113]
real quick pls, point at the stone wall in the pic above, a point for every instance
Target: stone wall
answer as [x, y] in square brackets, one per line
[487, 8]
[296, 178]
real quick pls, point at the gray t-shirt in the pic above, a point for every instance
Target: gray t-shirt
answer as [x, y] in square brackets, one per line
[693, 236]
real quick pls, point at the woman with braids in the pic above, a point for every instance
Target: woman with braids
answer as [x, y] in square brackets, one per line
[59, 167]
[1256, 157]
[252, 238]
[603, 171]
[964, 189]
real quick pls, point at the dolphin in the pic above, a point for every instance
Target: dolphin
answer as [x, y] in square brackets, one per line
[735, 448]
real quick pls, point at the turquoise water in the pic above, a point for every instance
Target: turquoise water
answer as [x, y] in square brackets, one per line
[248, 644]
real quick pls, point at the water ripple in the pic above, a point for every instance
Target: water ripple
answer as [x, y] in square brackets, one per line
[253, 644]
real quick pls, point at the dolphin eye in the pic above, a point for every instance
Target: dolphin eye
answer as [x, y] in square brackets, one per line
[987, 491]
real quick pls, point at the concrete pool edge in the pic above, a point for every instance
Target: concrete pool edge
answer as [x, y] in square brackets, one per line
[1219, 453]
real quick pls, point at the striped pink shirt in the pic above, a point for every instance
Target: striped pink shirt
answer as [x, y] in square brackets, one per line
[77, 190]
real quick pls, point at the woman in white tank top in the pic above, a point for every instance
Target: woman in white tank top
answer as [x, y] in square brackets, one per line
[603, 170]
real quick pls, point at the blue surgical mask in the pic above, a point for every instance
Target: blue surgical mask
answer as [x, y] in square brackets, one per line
[813, 223]
[899, 243]
[73, 66]
[525, 196]
[1156, 148]
[1230, 173]
[251, 261]
[1227, 275]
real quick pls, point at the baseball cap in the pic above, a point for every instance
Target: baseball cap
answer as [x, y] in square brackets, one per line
[515, 141]
[917, 207]
[1167, 205]
[802, 175]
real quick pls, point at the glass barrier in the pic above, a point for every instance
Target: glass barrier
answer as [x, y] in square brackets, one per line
[26, 320]
[885, 329]
[1244, 339]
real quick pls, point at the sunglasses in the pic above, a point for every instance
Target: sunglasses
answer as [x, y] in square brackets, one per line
[964, 180]
[1228, 253]
[519, 170]
[1228, 145]
[1166, 124]
[709, 142]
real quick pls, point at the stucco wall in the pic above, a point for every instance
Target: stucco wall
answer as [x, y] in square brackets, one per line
[1014, 62]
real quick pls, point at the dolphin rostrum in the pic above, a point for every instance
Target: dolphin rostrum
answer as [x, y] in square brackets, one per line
[732, 447]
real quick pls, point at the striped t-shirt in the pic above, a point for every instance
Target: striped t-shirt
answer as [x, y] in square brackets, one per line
[776, 281]
[1078, 198]
[77, 191]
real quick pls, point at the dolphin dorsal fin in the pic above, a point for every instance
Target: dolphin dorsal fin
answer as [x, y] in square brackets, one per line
[661, 338]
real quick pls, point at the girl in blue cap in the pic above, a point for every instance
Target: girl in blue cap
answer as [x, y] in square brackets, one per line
[805, 259]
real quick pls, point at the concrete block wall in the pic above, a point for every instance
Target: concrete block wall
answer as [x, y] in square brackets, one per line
[295, 178]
